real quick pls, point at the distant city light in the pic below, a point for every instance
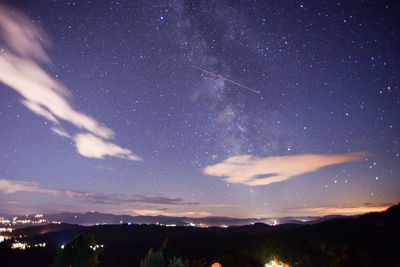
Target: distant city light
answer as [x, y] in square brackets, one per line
[36, 245]
[276, 263]
[96, 247]
[18, 245]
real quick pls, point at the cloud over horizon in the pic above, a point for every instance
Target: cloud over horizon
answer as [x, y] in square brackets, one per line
[13, 187]
[338, 210]
[21, 55]
[255, 171]
[165, 212]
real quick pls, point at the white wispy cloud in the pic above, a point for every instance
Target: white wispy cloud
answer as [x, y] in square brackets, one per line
[254, 171]
[61, 132]
[92, 146]
[14, 187]
[21, 55]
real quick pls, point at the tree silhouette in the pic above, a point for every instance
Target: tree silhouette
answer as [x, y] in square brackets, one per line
[79, 252]
[153, 259]
[168, 250]
[176, 262]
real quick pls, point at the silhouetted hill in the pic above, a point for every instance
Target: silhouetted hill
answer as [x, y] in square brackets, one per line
[111, 235]
[93, 218]
[48, 228]
[342, 241]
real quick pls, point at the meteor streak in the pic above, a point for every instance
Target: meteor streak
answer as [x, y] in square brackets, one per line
[226, 79]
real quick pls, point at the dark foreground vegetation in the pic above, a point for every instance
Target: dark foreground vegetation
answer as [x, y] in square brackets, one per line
[368, 240]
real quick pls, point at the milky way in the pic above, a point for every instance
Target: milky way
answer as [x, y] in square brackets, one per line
[102, 109]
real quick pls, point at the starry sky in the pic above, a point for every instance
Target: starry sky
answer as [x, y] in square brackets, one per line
[199, 108]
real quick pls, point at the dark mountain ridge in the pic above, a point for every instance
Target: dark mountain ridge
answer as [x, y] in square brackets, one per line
[93, 218]
[364, 240]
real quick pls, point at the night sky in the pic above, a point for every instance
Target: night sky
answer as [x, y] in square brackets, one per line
[199, 108]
